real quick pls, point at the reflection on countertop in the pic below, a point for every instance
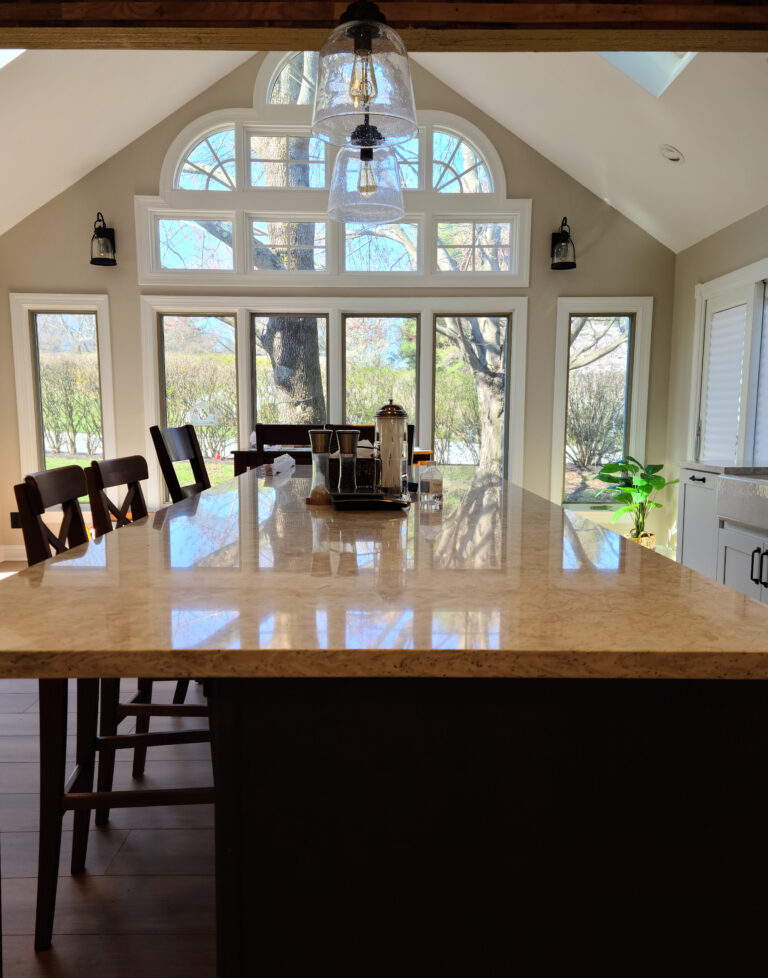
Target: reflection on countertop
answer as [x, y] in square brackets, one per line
[246, 579]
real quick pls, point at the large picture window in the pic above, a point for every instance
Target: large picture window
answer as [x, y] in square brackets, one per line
[68, 388]
[290, 369]
[380, 362]
[63, 371]
[470, 390]
[601, 391]
[199, 387]
[596, 427]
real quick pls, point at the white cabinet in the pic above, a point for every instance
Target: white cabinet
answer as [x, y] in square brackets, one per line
[697, 521]
[742, 561]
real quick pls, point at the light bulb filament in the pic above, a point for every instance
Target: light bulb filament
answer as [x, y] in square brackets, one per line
[362, 85]
[366, 181]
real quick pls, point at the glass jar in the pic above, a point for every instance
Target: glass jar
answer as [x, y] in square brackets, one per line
[320, 440]
[391, 449]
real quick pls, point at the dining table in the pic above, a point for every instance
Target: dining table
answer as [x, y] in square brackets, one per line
[491, 738]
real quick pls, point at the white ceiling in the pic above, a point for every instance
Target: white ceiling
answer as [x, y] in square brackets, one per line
[603, 129]
[62, 113]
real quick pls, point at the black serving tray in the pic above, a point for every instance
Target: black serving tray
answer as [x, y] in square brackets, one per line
[368, 499]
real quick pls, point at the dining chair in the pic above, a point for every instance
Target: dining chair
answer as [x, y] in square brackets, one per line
[63, 487]
[180, 445]
[127, 472]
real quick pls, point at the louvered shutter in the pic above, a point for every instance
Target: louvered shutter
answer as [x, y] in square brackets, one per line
[721, 394]
[761, 417]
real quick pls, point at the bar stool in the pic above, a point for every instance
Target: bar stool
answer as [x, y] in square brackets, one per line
[58, 795]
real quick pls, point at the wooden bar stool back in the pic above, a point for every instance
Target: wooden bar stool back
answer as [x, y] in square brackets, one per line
[128, 472]
[41, 490]
[180, 445]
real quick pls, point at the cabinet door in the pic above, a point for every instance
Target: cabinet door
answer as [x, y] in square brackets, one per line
[738, 561]
[697, 521]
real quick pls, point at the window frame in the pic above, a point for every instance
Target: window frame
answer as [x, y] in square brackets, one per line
[514, 426]
[334, 308]
[390, 315]
[24, 306]
[748, 283]
[641, 309]
[424, 205]
[253, 313]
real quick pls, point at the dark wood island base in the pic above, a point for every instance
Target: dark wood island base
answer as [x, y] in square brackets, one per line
[456, 827]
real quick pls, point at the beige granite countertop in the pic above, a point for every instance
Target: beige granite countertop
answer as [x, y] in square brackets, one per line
[246, 580]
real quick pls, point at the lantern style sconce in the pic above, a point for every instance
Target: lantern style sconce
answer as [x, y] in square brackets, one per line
[102, 243]
[563, 250]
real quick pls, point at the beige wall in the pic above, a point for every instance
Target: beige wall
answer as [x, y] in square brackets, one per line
[734, 247]
[48, 252]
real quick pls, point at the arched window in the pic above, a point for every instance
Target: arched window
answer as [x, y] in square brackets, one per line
[457, 167]
[295, 80]
[265, 260]
[272, 221]
[210, 164]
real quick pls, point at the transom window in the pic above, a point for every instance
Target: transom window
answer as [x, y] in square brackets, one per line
[473, 246]
[288, 245]
[247, 203]
[457, 168]
[295, 82]
[286, 161]
[211, 164]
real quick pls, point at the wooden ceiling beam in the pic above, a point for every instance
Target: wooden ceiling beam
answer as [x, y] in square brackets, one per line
[439, 25]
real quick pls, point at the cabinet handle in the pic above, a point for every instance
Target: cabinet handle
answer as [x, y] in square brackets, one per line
[697, 478]
[763, 575]
[753, 576]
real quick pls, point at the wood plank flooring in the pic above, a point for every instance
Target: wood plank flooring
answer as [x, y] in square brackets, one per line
[145, 906]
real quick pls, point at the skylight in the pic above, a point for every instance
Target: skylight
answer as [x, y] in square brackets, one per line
[9, 54]
[653, 70]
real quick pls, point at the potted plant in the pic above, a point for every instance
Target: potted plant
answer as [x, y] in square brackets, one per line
[634, 485]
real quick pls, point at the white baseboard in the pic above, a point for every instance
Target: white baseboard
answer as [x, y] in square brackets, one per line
[12, 552]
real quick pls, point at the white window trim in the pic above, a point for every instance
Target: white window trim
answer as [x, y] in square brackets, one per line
[641, 307]
[747, 280]
[424, 206]
[23, 305]
[335, 308]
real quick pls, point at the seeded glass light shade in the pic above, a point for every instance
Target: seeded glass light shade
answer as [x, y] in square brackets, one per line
[363, 79]
[365, 191]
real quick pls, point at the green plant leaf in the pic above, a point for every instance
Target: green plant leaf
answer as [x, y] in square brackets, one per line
[616, 480]
[611, 467]
[652, 469]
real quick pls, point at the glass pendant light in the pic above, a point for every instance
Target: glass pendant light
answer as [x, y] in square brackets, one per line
[363, 79]
[365, 186]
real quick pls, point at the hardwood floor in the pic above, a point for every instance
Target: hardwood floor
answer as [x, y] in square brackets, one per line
[145, 906]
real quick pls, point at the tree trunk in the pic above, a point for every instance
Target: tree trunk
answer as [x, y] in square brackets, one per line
[295, 356]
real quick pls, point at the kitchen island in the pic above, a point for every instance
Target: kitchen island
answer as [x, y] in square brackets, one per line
[593, 806]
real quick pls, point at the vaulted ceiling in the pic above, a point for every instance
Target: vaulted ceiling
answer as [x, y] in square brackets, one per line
[576, 109]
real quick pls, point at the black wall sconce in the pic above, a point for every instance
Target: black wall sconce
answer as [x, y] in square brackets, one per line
[563, 250]
[102, 243]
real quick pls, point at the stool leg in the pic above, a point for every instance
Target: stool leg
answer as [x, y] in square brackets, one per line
[144, 695]
[110, 697]
[87, 720]
[53, 746]
[180, 693]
